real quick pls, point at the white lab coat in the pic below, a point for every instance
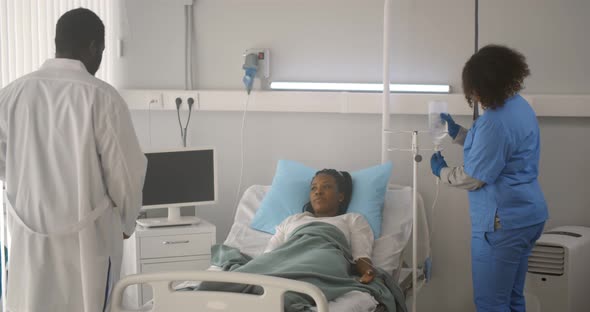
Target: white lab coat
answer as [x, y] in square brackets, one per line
[74, 174]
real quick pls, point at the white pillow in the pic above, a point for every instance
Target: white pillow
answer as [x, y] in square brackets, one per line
[397, 227]
[241, 235]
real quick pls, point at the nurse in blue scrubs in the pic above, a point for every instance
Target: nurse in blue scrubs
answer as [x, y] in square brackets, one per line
[500, 170]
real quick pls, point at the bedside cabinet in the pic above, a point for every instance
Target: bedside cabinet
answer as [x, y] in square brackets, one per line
[157, 249]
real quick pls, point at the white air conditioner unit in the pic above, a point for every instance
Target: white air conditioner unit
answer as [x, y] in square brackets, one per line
[559, 270]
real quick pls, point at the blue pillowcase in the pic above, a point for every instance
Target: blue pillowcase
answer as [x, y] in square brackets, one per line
[287, 195]
[290, 191]
[368, 194]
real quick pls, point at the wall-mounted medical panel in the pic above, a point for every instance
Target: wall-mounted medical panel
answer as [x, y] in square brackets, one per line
[336, 102]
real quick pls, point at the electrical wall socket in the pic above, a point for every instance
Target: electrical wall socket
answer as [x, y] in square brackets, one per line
[184, 96]
[154, 100]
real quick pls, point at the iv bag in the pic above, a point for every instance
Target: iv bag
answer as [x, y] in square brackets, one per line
[436, 125]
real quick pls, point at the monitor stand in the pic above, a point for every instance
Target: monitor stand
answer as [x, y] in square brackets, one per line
[174, 219]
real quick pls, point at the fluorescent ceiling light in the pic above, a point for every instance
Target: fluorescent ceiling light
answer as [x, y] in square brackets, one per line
[359, 87]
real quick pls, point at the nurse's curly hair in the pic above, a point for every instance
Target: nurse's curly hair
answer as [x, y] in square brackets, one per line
[344, 184]
[494, 74]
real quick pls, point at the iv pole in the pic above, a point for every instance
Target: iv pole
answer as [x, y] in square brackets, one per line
[386, 79]
[385, 142]
[416, 159]
[385, 149]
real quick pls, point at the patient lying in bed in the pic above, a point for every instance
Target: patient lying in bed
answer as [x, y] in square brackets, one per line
[323, 246]
[329, 197]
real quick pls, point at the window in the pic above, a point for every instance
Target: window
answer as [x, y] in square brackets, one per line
[27, 33]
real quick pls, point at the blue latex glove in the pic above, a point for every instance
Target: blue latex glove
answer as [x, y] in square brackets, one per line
[451, 125]
[437, 162]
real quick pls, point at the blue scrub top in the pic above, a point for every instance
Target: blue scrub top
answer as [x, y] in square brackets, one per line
[502, 149]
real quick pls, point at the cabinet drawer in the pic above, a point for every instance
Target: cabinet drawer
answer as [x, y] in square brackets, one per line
[175, 246]
[191, 265]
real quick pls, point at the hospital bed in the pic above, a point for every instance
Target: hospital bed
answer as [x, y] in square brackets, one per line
[169, 296]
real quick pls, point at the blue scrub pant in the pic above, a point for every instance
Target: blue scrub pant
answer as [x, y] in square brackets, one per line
[499, 263]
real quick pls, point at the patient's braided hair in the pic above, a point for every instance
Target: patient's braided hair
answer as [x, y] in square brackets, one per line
[344, 184]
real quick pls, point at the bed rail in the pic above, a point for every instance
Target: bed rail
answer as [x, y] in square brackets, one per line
[170, 300]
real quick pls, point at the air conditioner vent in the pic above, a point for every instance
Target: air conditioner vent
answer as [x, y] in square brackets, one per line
[547, 259]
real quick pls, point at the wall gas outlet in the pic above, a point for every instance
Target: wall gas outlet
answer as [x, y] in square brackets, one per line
[263, 62]
[184, 96]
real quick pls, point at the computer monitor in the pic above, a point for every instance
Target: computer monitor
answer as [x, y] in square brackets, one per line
[178, 178]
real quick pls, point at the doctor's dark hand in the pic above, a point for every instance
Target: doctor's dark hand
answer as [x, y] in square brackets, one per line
[437, 162]
[452, 126]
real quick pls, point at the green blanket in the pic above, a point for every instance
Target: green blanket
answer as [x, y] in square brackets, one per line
[317, 253]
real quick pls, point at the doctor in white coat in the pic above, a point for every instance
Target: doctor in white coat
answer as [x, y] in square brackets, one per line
[74, 175]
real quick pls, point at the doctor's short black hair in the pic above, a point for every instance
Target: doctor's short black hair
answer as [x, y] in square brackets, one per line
[344, 184]
[494, 74]
[76, 29]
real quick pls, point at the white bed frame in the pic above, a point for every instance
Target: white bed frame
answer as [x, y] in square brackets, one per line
[167, 299]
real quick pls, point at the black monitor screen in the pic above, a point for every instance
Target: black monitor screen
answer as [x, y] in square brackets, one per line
[179, 177]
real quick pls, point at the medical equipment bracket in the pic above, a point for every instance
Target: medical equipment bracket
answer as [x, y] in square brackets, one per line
[416, 159]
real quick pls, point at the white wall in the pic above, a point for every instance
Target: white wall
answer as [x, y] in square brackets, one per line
[153, 45]
[330, 40]
[551, 34]
[333, 40]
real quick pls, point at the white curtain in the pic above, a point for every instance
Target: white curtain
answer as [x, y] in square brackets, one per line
[27, 33]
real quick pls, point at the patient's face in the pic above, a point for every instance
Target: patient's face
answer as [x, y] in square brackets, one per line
[324, 196]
